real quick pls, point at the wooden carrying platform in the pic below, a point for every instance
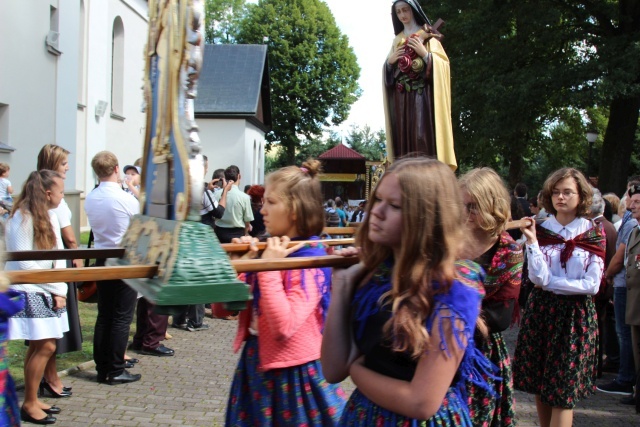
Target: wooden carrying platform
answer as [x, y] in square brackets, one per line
[135, 274]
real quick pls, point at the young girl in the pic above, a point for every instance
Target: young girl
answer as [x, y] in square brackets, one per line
[6, 190]
[33, 225]
[401, 323]
[487, 204]
[279, 379]
[555, 356]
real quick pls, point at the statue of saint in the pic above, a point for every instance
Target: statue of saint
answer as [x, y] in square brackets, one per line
[417, 92]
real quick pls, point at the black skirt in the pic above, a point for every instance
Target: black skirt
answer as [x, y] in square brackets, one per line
[72, 340]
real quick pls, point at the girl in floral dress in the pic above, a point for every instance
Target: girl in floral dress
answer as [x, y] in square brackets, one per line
[487, 203]
[556, 352]
[401, 322]
[279, 378]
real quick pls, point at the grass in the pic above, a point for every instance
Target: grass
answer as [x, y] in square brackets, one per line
[88, 313]
[84, 238]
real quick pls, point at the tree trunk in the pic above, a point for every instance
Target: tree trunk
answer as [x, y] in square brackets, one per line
[618, 144]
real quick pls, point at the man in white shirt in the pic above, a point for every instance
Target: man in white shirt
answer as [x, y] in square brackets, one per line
[109, 210]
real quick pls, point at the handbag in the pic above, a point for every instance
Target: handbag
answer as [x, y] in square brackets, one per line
[88, 291]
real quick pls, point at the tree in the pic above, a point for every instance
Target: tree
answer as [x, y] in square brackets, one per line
[313, 69]
[372, 145]
[517, 66]
[222, 19]
[308, 148]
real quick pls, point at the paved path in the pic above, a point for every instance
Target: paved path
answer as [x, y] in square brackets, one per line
[191, 389]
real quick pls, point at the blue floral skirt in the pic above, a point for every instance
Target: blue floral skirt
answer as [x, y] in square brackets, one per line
[294, 396]
[360, 411]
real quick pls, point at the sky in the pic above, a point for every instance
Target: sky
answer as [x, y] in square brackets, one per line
[367, 24]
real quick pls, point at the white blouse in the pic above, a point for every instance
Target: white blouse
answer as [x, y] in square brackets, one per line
[63, 212]
[19, 237]
[583, 271]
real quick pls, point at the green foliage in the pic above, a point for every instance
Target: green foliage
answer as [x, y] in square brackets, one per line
[308, 148]
[521, 71]
[370, 144]
[222, 20]
[313, 69]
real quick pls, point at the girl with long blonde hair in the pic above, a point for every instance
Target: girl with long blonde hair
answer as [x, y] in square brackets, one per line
[487, 205]
[401, 322]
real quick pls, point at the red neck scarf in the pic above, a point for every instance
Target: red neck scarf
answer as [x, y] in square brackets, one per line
[592, 241]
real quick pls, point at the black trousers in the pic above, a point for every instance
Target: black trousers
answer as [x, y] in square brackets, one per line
[150, 326]
[226, 234]
[116, 304]
[192, 314]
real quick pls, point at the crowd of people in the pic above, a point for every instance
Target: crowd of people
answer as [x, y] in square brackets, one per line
[417, 324]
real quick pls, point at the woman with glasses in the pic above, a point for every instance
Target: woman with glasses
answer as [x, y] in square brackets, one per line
[488, 209]
[555, 356]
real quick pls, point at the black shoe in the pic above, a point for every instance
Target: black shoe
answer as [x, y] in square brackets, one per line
[160, 351]
[29, 419]
[614, 387]
[129, 365]
[102, 378]
[202, 327]
[53, 410]
[124, 377]
[132, 360]
[46, 386]
[67, 388]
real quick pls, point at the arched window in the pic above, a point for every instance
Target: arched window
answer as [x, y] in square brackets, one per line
[117, 67]
[81, 47]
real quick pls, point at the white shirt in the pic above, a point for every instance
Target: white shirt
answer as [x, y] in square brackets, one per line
[207, 206]
[19, 236]
[583, 271]
[109, 210]
[4, 185]
[63, 213]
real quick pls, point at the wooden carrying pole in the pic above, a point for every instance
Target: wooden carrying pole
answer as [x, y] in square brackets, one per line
[148, 271]
[94, 253]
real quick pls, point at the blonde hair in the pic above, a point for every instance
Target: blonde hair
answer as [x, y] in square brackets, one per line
[432, 224]
[300, 189]
[104, 164]
[33, 201]
[584, 190]
[51, 157]
[4, 167]
[614, 200]
[490, 195]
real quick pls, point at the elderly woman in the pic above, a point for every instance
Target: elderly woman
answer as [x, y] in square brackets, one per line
[417, 88]
[487, 202]
[33, 225]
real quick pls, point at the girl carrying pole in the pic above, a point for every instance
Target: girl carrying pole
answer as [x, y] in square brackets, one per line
[401, 323]
[279, 379]
[555, 356]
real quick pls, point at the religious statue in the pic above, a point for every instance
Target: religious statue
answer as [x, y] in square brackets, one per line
[417, 93]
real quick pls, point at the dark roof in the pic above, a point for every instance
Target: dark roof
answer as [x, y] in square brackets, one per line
[234, 79]
[341, 152]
